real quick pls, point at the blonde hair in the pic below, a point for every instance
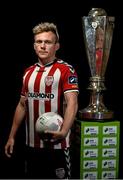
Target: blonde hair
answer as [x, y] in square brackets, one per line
[46, 27]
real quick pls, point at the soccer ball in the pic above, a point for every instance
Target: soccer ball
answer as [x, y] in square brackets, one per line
[48, 121]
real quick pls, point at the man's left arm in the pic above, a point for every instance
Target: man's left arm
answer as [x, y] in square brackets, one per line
[71, 99]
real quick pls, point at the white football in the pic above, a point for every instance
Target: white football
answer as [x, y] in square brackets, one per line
[48, 121]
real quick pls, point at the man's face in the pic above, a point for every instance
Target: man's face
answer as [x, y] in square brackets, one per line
[45, 45]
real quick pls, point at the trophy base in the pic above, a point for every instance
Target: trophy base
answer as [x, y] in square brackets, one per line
[87, 114]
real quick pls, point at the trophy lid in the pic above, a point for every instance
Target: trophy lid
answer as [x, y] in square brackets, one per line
[97, 12]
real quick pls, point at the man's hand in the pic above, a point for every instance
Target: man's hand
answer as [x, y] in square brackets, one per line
[55, 135]
[9, 147]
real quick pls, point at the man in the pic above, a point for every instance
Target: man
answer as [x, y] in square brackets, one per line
[46, 86]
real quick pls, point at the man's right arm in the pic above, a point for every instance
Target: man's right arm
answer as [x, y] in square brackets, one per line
[18, 117]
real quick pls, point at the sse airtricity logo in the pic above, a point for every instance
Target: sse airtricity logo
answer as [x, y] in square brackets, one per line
[73, 80]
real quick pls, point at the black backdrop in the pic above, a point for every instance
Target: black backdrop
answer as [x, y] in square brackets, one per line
[17, 21]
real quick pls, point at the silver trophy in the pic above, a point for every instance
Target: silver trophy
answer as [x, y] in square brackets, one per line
[98, 32]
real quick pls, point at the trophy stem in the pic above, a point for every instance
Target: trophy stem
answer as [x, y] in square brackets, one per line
[96, 108]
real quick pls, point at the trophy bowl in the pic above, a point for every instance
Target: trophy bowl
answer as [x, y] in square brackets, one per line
[98, 32]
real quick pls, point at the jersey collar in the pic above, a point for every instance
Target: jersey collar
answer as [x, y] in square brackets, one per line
[46, 65]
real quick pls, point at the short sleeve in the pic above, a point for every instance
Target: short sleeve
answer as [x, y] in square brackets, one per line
[70, 80]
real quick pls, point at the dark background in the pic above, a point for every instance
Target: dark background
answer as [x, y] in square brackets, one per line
[17, 20]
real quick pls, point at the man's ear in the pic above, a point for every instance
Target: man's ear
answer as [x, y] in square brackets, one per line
[57, 46]
[34, 46]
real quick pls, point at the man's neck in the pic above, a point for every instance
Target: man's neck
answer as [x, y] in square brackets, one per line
[46, 62]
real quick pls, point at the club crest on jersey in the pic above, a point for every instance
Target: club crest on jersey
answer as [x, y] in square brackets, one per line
[49, 80]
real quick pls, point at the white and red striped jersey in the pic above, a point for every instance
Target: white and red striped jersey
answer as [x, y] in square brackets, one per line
[44, 87]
